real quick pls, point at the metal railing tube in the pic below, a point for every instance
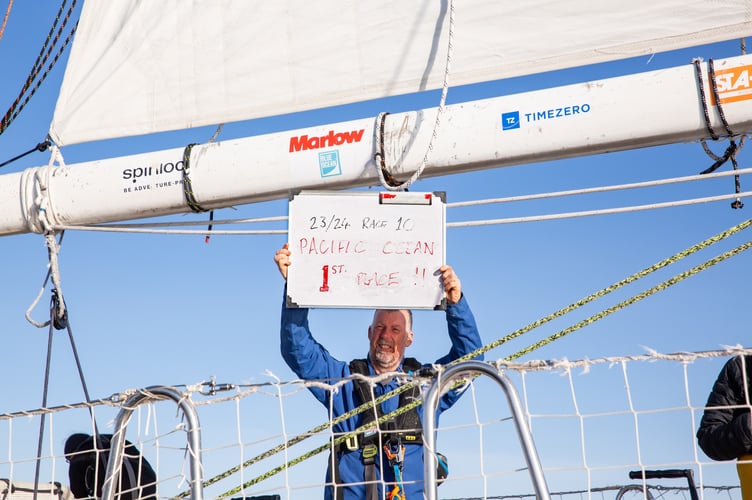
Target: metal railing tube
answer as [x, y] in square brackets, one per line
[431, 402]
[117, 444]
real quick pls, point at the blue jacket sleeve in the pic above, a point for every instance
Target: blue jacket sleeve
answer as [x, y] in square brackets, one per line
[465, 338]
[304, 355]
[463, 332]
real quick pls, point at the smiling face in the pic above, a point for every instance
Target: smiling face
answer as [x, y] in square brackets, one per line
[389, 334]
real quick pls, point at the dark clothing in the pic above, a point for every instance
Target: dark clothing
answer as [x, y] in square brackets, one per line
[726, 433]
[311, 361]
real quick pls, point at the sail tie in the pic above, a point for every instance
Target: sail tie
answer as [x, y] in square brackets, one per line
[733, 149]
[190, 197]
[387, 180]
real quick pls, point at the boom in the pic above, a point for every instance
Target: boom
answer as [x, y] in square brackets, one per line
[634, 111]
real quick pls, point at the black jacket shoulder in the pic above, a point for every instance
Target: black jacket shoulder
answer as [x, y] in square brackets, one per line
[725, 431]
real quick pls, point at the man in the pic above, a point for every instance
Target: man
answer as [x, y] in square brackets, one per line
[725, 431]
[387, 464]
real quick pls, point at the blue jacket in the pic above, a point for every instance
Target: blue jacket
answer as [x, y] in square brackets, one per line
[310, 361]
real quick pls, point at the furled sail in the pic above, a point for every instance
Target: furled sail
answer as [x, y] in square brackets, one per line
[138, 67]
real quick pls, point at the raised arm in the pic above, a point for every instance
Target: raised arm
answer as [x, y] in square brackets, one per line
[461, 326]
[302, 353]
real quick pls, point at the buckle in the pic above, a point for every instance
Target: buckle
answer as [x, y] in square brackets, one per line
[370, 451]
[351, 442]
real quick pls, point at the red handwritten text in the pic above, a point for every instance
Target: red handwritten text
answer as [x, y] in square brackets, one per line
[408, 247]
[312, 246]
[378, 280]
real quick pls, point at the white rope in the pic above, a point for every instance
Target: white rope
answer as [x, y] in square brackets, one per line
[437, 123]
[285, 436]
[471, 223]
[694, 424]
[652, 355]
[600, 189]
[607, 211]
[633, 412]
[216, 133]
[144, 227]
[50, 272]
[490, 478]
[239, 433]
[581, 423]
[34, 305]
[276, 218]
[54, 249]
[107, 229]
[44, 221]
[10, 449]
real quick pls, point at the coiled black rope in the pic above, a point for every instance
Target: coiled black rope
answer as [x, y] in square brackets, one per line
[733, 149]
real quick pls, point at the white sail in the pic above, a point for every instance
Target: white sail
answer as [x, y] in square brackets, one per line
[139, 67]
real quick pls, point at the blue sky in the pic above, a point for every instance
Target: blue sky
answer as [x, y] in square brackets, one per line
[166, 309]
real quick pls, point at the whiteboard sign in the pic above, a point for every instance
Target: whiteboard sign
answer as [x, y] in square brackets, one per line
[364, 249]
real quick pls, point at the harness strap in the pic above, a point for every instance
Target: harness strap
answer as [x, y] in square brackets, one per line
[369, 460]
[407, 425]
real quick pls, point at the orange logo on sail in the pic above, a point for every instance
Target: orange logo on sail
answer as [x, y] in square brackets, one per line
[733, 84]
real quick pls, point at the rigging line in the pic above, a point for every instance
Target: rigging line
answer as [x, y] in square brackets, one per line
[732, 150]
[59, 32]
[703, 100]
[403, 186]
[43, 77]
[635, 298]
[607, 211]
[302, 437]
[714, 239]
[5, 19]
[483, 222]
[600, 189]
[640, 274]
[717, 97]
[602, 489]
[36, 67]
[108, 229]
[592, 319]
[38, 63]
[565, 364]
[41, 147]
[56, 409]
[275, 218]
[41, 291]
[662, 286]
[45, 389]
[459, 204]
[678, 256]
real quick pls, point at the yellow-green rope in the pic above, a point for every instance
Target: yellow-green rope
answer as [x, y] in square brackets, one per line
[670, 260]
